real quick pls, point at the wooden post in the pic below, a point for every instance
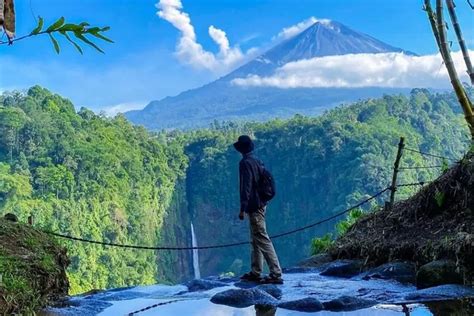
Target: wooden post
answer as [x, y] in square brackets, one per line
[30, 220]
[396, 165]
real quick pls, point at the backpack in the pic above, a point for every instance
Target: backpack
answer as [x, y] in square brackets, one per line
[266, 186]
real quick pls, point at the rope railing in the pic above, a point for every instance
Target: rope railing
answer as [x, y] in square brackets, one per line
[421, 183]
[392, 188]
[420, 167]
[429, 154]
[221, 245]
[151, 307]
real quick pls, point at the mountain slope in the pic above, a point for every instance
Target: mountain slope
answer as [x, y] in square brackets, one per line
[321, 39]
[221, 100]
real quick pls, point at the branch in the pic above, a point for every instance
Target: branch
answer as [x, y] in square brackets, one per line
[60, 27]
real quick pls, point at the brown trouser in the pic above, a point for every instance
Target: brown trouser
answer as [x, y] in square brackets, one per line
[262, 246]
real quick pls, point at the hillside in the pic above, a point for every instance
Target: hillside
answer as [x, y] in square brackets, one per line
[223, 101]
[32, 268]
[435, 224]
[90, 176]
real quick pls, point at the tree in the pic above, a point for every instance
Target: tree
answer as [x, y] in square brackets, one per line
[438, 26]
[11, 121]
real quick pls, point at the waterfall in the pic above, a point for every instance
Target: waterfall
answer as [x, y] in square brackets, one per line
[197, 272]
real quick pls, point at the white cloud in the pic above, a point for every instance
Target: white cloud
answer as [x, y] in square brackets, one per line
[189, 51]
[293, 30]
[361, 70]
[123, 107]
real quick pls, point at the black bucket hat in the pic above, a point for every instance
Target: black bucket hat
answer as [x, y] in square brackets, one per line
[244, 144]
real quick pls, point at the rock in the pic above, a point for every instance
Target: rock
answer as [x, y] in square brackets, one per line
[78, 307]
[244, 298]
[203, 285]
[347, 303]
[308, 304]
[271, 289]
[437, 273]
[11, 217]
[403, 272]
[343, 268]
[315, 261]
[441, 292]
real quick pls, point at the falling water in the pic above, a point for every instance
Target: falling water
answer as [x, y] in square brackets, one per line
[197, 272]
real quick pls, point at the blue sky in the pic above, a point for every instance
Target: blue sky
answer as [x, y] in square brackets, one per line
[142, 65]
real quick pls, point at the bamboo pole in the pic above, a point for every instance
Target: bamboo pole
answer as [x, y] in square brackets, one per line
[457, 29]
[439, 29]
[432, 19]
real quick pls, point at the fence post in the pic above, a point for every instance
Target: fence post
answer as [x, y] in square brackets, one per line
[396, 165]
[30, 220]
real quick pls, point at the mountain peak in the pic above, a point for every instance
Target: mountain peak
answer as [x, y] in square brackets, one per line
[223, 101]
[323, 38]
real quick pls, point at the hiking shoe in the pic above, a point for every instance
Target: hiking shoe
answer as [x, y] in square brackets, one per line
[250, 277]
[271, 280]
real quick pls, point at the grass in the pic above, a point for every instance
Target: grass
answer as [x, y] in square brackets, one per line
[31, 267]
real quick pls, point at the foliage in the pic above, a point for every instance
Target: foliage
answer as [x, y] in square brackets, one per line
[322, 244]
[439, 198]
[352, 217]
[91, 176]
[102, 178]
[67, 30]
[22, 282]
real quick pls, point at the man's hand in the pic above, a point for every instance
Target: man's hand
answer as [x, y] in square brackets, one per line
[241, 215]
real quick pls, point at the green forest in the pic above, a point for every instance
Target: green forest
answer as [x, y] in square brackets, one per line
[104, 179]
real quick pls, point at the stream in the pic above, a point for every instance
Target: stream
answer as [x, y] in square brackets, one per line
[372, 297]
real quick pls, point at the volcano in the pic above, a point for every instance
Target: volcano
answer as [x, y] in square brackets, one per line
[223, 101]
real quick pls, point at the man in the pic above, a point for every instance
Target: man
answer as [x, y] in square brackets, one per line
[250, 170]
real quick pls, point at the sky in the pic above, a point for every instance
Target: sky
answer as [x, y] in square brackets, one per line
[162, 49]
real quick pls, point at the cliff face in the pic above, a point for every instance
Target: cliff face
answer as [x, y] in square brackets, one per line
[435, 224]
[176, 266]
[32, 269]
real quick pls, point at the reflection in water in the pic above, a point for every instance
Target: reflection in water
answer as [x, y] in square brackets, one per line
[262, 310]
[452, 308]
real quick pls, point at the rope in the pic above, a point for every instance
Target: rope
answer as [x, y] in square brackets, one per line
[429, 154]
[151, 306]
[421, 183]
[334, 216]
[419, 167]
[222, 245]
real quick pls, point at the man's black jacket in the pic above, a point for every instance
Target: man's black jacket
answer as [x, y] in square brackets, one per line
[249, 171]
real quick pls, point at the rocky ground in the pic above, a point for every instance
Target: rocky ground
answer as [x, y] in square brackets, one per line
[327, 287]
[32, 269]
[434, 229]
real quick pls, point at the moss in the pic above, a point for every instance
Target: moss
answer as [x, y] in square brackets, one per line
[32, 269]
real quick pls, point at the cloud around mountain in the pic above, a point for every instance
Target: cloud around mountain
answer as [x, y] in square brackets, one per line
[190, 52]
[393, 70]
